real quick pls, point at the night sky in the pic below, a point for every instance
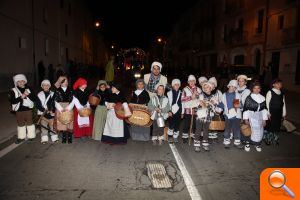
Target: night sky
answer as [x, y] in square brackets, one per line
[137, 23]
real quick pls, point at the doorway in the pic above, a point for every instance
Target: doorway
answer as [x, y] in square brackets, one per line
[275, 64]
[257, 60]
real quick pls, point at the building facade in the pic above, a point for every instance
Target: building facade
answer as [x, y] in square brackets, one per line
[51, 31]
[255, 33]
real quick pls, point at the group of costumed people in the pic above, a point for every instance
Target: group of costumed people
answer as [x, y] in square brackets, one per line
[196, 106]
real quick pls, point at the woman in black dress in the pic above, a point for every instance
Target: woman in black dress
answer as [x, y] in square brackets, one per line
[276, 111]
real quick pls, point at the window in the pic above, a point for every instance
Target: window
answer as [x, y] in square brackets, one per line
[280, 22]
[22, 43]
[69, 9]
[260, 21]
[45, 15]
[46, 46]
[66, 29]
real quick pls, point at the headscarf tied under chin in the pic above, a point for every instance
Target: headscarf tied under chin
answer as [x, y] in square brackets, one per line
[19, 77]
[80, 82]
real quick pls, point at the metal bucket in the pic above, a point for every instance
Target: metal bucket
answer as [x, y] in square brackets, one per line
[160, 121]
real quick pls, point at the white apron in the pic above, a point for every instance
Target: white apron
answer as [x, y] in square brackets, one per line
[256, 123]
[114, 127]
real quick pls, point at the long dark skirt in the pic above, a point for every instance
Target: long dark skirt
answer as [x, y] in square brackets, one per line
[140, 133]
[274, 124]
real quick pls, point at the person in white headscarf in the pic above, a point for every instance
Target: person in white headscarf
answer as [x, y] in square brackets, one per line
[231, 103]
[205, 112]
[174, 97]
[244, 92]
[217, 98]
[46, 110]
[154, 78]
[202, 80]
[159, 107]
[22, 101]
[242, 87]
[255, 114]
[189, 99]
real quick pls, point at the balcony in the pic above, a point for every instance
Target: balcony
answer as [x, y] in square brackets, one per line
[290, 36]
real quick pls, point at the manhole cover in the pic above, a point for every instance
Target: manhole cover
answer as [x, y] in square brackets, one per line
[158, 175]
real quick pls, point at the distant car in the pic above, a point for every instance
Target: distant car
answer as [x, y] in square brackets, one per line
[249, 71]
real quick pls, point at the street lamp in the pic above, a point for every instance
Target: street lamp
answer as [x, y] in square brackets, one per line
[159, 40]
[97, 24]
[112, 46]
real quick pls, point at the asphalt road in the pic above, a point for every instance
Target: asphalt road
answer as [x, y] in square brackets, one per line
[91, 170]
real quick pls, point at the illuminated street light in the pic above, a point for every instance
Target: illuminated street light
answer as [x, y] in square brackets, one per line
[112, 46]
[97, 24]
[159, 40]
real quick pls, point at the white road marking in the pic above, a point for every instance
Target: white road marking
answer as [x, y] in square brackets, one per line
[193, 191]
[8, 149]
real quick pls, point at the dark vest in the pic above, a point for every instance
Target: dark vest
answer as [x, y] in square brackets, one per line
[276, 101]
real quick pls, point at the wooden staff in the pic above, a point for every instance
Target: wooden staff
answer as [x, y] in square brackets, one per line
[191, 126]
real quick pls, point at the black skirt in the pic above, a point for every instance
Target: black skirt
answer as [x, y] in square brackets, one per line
[274, 124]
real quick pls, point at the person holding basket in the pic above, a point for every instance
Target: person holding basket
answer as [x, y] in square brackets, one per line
[64, 104]
[230, 104]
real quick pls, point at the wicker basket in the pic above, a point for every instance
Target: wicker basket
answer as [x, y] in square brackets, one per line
[119, 110]
[94, 100]
[65, 117]
[140, 118]
[217, 124]
[85, 112]
[246, 130]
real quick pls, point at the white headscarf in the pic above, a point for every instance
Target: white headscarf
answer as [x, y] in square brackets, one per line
[45, 82]
[156, 64]
[176, 81]
[242, 76]
[19, 77]
[213, 81]
[191, 78]
[157, 85]
[233, 83]
[202, 79]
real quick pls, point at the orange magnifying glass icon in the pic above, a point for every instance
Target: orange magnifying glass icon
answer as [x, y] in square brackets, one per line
[277, 180]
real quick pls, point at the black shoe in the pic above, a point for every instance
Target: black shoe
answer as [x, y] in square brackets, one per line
[18, 141]
[64, 137]
[185, 140]
[170, 139]
[70, 137]
[31, 139]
